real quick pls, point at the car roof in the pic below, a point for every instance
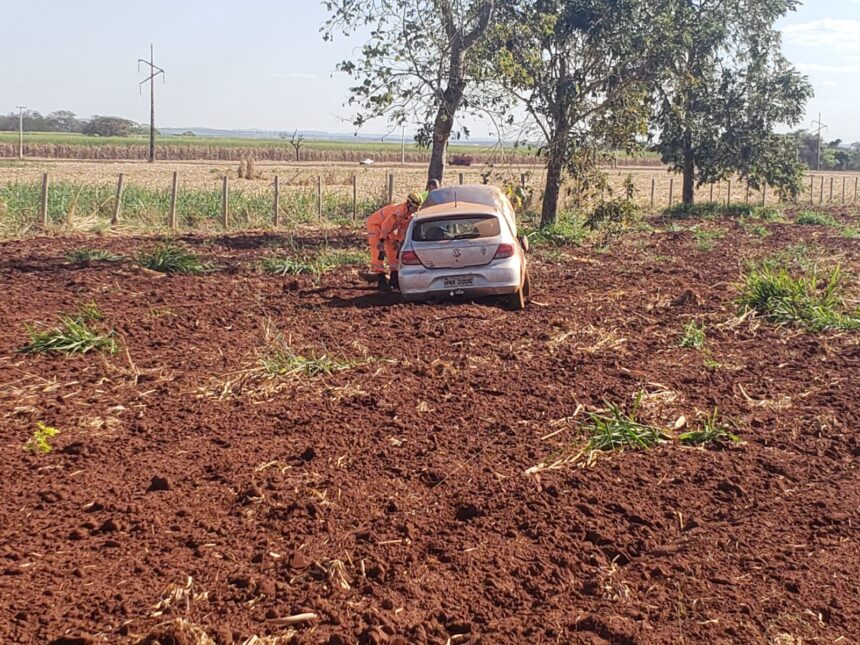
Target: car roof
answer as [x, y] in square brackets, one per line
[490, 196]
[460, 208]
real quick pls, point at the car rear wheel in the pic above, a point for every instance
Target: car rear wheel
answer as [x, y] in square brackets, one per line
[521, 296]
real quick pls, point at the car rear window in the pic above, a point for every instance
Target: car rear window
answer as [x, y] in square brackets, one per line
[456, 228]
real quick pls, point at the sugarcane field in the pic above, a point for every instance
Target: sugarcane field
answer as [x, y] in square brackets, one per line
[545, 329]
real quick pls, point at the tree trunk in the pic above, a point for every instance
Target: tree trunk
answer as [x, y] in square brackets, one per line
[441, 134]
[552, 190]
[689, 168]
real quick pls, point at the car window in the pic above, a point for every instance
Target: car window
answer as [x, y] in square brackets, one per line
[456, 228]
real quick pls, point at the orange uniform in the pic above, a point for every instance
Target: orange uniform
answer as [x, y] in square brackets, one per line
[393, 233]
[375, 239]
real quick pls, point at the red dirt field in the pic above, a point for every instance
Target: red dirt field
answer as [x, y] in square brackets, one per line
[392, 500]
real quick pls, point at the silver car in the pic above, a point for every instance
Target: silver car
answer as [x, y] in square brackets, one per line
[464, 242]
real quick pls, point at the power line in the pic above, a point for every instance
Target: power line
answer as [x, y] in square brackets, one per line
[821, 126]
[154, 71]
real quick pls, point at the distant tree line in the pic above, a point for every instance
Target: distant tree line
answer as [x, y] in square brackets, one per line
[835, 155]
[66, 121]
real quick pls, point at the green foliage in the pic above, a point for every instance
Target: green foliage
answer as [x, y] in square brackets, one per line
[311, 264]
[285, 362]
[727, 90]
[621, 212]
[40, 442]
[816, 219]
[171, 259]
[851, 232]
[713, 210]
[88, 256]
[566, 231]
[711, 432]
[616, 429]
[705, 239]
[834, 155]
[806, 299]
[694, 336]
[73, 336]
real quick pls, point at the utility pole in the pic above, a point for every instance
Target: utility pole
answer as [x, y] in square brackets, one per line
[821, 127]
[21, 130]
[154, 71]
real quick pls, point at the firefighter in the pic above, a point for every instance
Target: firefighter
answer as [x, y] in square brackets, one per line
[374, 241]
[393, 233]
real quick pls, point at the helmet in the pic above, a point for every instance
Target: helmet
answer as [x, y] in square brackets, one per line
[415, 200]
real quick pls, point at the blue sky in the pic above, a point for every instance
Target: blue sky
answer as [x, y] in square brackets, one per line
[262, 63]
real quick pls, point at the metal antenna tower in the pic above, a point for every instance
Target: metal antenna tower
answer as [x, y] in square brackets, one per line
[154, 71]
[821, 126]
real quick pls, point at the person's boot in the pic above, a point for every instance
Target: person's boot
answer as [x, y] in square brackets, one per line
[382, 283]
[395, 280]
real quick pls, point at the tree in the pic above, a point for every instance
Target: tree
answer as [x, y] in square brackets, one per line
[296, 141]
[724, 94]
[582, 69]
[416, 62]
[109, 126]
[64, 121]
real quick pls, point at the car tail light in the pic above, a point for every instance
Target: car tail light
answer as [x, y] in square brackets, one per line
[504, 251]
[409, 258]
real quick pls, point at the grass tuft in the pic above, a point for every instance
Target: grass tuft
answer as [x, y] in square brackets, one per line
[87, 256]
[705, 239]
[323, 262]
[615, 429]
[713, 210]
[168, 258]
[694, 336]
[285, 362]
[567, 231]
[712, 432]
[807, 300]
[73, 336]
[41, 440]
[816, 219]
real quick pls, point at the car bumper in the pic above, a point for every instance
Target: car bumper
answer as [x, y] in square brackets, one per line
[500, 277]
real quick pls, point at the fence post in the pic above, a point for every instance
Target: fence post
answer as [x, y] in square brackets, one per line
[729, 195]
[462, 179]
[276, 206]
[225, 203]
[811, 190]
[763, 194]
[319, 196]
[653, 191]
[671, 191]
[523, 180]
[43, 207]
[118, 203]
[390, 188]
[821, 192]
[173, 190]
[711, 198]
[843, 191]
[747, 196]
[354, 197]
[856, 181]
[830, 201]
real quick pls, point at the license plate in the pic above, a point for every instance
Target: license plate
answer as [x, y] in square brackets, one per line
[459, 282]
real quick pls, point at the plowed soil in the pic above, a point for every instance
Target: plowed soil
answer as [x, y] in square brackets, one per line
[189, 500]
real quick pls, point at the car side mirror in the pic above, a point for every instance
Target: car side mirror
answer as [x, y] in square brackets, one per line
[524, 242]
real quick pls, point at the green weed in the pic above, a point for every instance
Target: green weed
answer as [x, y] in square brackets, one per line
[73, 336]
[615, 429]
[87, 256]
[711, 432]
[816, 219]
[168, 258]
[807, 300]
[40, 442]
[705, 239]
[567, 231]
[851, 232]
[694, 336]
[304, 264]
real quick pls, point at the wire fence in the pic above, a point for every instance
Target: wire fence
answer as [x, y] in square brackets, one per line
[27, 206]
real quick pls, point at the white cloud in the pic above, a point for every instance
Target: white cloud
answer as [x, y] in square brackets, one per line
[828, 33]
[297, 76]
